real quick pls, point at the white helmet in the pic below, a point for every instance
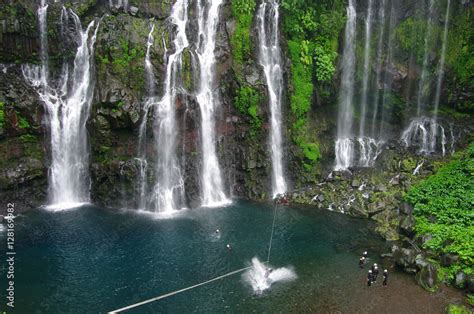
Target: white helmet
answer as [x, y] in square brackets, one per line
[370, 271]
[375, 265]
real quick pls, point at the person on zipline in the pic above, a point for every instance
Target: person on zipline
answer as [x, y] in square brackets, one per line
[268, 272]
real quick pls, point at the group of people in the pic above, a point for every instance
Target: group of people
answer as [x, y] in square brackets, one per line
[373, 271]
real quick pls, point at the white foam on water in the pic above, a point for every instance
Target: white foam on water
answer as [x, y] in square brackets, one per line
[260, 279]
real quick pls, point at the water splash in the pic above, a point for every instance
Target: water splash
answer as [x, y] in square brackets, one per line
[270, 59]
[67, 106]
[212, 187]
[167, 194]
[260, 278]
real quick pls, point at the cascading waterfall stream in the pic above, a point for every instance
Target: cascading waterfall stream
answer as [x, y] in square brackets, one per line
[168, 191]
[344, 147]
[421, 97]
[440, 73]
[212, 187]
[365, 80]
[270, 59]
[426, 132]
[67, 106]
[378, 68]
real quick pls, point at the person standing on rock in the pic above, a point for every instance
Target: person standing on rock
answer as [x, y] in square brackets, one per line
[369, 278]
[385, 277]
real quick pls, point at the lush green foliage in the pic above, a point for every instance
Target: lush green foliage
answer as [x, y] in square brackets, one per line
[2, 115]
[243, 11]
[444, 208]
[410, 34]
[247, 97]
[22, 122]
[246, 101]
[312, 29]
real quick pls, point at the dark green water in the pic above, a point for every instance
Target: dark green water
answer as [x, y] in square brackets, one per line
[93, 260]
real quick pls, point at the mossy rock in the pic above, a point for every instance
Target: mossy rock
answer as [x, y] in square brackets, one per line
[457, 309]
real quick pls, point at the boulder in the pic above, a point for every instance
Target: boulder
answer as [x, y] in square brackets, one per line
[470, 283]
[404, 257]
[406, 208]
[427, 277]
[407, 225]
[460, 279]
[449, 259]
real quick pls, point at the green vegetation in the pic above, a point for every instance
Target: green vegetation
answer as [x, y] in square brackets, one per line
[457, 309]
[2, 115]
[246, 101]
[243, 11]
[312, 30]
[460, 56]
[410, 34]
[22, 122]
[247, 97]
[28, 138]
[444, 208]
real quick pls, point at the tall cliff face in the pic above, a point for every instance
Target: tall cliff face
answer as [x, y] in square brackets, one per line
[242, 124]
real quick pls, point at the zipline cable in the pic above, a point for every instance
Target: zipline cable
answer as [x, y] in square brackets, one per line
[202, 283]
[271, 235]
[177, 291]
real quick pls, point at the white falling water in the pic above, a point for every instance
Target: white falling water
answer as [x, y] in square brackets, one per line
[67, 106]
[425, 133]
[212, 187]
[270, 59]
[422, 84]
[441, 69]
[261, 277]
[141, 159]
[365, 80]
[378, 68]
[369, 150]
[344, 146]
[167, 194]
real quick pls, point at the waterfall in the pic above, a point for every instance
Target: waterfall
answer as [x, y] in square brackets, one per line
[423, 132]
[365, 80]
[270, 59]
[420, 102]
[388, 79]
[441, 71]
[67, 106]
[344, 146]
[167, 193]
[378, 68]
[426, 132]
[212, 190]
[150, 75]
